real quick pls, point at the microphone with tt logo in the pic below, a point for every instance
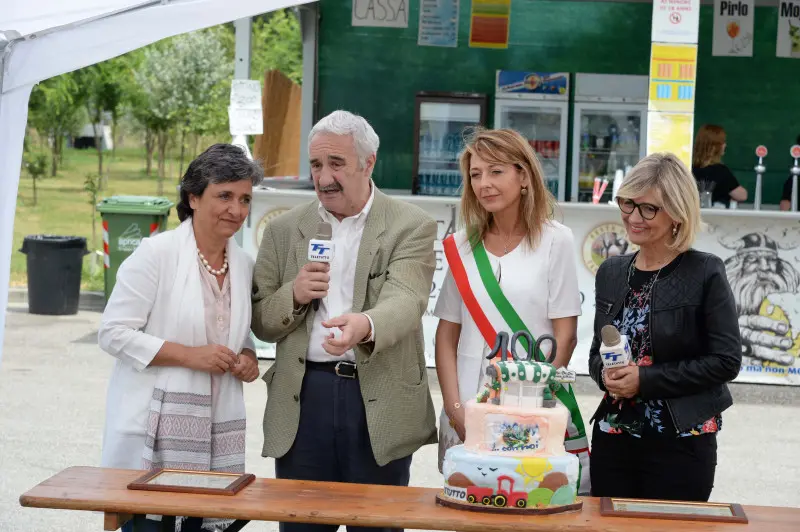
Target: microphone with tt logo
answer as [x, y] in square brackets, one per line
[320, 249]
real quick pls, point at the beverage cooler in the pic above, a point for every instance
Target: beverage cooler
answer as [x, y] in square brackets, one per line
[440, 122]
[536, 105]
[609, 130]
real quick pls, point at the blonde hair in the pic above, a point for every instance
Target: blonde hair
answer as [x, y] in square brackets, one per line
[505, 146]
[708, 146]
[668, 178]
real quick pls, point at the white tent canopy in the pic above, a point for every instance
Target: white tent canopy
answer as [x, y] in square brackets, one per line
[46, 38]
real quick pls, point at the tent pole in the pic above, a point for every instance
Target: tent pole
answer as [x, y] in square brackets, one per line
[309, 28]
[13, 117]
[244, 34]
[241, 70]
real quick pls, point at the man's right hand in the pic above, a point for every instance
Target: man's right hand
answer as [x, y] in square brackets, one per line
[311, 282]
[213, 358]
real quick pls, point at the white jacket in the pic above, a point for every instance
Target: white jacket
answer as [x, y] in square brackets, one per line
[158, 297]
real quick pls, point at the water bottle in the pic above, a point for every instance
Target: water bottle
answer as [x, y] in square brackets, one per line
[452, 147]
[585, 138]
[613, 132]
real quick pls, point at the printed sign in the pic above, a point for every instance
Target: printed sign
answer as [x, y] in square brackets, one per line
[130, 238]
[761, 151]
[490, 21]
[604, 241]
[762, 267]
[788, 29]
[795, 151]
[671, 132]
[673, 68]
[733, 28]
[676, 21]
[380, 13]
[262, 224]
[244, 113]
[515, 82]
[320, 251]
[438, 23]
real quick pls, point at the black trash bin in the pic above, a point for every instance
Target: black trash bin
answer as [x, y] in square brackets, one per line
[54, 273]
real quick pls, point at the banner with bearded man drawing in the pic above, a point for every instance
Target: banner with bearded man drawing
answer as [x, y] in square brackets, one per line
[766, 287]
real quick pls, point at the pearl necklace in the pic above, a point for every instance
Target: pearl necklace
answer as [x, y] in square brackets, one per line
[211, 270]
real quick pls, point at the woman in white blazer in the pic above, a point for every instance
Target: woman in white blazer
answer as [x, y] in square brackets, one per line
[178, 323]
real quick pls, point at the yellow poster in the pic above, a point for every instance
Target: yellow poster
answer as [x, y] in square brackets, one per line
[671, 132]
[673, 69]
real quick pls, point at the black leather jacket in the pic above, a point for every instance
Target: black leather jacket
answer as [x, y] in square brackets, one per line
[696, 346]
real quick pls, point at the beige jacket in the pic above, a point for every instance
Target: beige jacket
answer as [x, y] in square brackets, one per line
[394, 271]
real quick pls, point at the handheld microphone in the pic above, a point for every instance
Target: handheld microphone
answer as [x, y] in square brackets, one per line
[614, 350]
[320, 249]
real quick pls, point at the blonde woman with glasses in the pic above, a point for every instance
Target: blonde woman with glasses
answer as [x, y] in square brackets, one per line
[511, 267]
[655, 429]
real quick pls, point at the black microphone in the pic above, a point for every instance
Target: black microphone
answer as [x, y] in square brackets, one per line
[320, 249]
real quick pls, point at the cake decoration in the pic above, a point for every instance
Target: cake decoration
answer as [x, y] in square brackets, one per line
[513, 457]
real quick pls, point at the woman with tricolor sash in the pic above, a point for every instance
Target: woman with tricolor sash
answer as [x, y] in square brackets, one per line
[511, 268]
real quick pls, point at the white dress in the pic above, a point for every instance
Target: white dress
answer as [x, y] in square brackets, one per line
[541, 284]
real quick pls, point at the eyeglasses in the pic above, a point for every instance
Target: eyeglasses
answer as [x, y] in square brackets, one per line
[647, 211]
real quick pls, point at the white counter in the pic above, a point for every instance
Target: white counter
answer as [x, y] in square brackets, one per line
[598, 231]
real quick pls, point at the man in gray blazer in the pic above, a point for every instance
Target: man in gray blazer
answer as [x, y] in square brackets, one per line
[348, 397]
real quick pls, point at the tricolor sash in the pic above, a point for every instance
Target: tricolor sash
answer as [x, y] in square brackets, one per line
[491, 311]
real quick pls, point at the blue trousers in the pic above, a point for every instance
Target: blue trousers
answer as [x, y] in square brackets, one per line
[333, 444]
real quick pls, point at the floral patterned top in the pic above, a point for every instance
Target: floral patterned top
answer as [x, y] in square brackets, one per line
[636, 416]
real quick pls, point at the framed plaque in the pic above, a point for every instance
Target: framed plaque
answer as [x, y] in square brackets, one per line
[206, 482]
[688, 511]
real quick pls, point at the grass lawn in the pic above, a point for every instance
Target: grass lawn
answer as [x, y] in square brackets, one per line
[63, 207]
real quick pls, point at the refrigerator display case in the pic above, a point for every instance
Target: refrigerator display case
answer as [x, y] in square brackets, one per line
[440, 122]
[609, 131]
[536, 104]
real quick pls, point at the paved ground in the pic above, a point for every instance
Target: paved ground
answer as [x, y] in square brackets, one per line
[52, 395]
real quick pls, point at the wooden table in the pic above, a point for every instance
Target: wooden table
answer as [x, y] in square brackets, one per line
[104, 490]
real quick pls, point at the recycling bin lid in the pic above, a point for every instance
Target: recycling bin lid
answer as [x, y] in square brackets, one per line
[135, 205]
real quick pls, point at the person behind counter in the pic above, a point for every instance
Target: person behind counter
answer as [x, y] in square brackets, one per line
[709, 147]
[786, 195]
[508, 239]
[655, 428]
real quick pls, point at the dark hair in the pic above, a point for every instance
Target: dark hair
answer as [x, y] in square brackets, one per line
[220, 163]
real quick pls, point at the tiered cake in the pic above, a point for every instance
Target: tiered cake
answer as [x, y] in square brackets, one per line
[513, 457]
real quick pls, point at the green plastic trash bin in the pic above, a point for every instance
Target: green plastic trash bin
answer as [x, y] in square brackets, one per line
[126, 221]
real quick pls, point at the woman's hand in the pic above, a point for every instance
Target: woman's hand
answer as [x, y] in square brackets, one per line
[457, 419]
[213, 358]
[622, 382]
[246, 368]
